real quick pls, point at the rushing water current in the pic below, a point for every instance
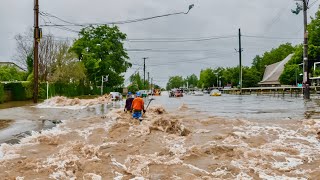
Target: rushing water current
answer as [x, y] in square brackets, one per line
[193, 137]
[19, 120]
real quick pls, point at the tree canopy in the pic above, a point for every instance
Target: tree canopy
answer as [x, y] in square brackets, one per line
[192, 81]
[10, 73]
[102, 53]
[175, 82]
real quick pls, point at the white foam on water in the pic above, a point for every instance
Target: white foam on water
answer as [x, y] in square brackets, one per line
[137, 178]
[116, 163]
[75, 107]
[202, 131]
[276, 177]
[91, 176]
[288, 165]
[196, 168]
[119, 176]
[242, 176]
[19, 178]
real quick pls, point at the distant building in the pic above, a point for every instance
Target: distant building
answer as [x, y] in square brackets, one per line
[273, 72]
[12, 65]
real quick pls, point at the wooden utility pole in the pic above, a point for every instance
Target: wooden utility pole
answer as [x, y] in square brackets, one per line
[148, 80]
[240, 62]
[144, 72]
[306, 80]
[36, 51]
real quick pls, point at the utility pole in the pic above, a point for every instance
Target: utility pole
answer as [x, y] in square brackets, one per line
[151, 86]
[306, 80]
[144, 72]
[149, 80]
[36, 51]
[240, 62]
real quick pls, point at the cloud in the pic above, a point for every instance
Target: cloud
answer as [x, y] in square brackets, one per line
[208, 18]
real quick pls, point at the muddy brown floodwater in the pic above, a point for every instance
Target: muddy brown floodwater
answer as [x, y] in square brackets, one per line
[5, 123]
[179, 144]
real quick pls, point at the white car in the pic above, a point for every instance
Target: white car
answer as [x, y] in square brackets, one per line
[116, 96]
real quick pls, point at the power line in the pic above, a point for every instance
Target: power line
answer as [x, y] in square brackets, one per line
[167, 40]
[185, 61]
[268, 37]
[68, 23]
[312, 4]
[171, 50]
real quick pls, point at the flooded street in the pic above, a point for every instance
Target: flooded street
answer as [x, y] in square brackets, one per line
[227, 137]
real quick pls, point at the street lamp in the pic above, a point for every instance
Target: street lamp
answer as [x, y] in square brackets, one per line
[190, 7]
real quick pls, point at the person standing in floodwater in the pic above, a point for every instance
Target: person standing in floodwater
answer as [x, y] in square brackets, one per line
[138, 106]
[128, 106]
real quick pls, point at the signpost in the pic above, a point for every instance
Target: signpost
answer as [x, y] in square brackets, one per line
[103, 79]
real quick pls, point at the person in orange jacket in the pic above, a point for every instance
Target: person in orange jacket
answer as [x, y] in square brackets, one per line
[138, 106]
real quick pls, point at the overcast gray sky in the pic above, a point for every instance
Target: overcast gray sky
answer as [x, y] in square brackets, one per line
[209, 18]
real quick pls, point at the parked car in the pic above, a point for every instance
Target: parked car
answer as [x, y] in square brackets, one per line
[178, 93]
[144, 93]
[116, 96]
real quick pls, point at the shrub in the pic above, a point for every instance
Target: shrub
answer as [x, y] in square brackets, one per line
[2, 94]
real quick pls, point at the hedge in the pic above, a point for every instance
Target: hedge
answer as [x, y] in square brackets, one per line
[2, 95]
[22, 91]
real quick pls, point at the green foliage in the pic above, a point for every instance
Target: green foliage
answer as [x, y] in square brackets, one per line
[290, 73]
[250, 77]
[29, 62]
[314, 30]
[274, 56]
[230, 76]
[133, 88]
[136, 82]
[192, 80]
[102, 53]
[20, 91]
[206, 78]
[67, 68]
[175, 82]
[10, 73]
[2, 93]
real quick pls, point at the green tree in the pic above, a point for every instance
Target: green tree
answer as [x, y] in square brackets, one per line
[10, 73]
[290, 73]
[102, 53]
[29, 63]
[273, 56]
[192, 81]
[67, 68]
[175, 82]
[207, 78]
[136, 82]
[251, 77]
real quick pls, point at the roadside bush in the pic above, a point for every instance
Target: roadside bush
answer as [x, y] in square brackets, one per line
[18, 91]
[2, 95]
[22, 91]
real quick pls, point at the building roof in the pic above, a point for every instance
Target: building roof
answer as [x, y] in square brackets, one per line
[273, 72]
[11, 64]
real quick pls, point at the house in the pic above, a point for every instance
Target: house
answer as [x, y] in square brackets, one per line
[12, 64]
[273, 72]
